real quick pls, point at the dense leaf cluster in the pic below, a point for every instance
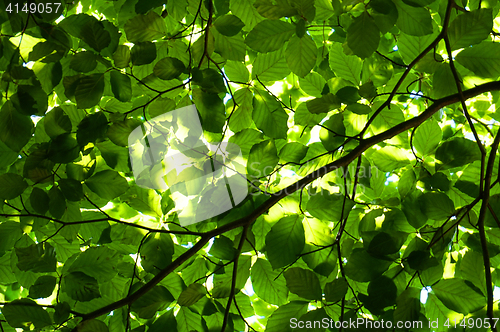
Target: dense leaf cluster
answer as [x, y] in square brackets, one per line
[370, 131]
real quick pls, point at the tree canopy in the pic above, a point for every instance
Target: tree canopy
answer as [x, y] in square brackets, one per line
[368, 133]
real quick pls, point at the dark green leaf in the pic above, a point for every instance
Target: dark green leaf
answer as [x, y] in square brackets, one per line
[363, 267]
[71, 189]
[43, 287]
[121, 86]
[363, 36]
[107, 184]
[168, 68]
[57, 122]
[80, 286]
[143, 28]
[36, 258]
[11, 185]
[336, 290]
[89, 90]
[285, 241]
[228, 25]
[24, 312]
[269, 35]
[456, 152]
[303, 282]
[143, 53]
[156, 252]
[15, 129]
[92, 128]
[57, 203]
[191, 295]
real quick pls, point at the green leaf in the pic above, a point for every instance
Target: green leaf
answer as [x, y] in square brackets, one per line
[121, 57]
[273, 11]
[119, 131]
[336, 290]
[80, 286]
[427, 137]
[168, 68]
[363, 36]
[269, 116]
[457, 152]
[89, 90]
[143, 53]
[390, 158]
[223, 248]
[71, 189]
[57, 203]
[436, 206]
[30, 99]
[301, 55]
[94, 34]
[411, 46]
[191, 295]
[63, 149]
[285, 241]
[24, 312]
[421, 260]
[188, 320]
[345, 66]
[236, 71]
[156, 252]
[458, 296]
[36, 258]
[293, 152]
[92, 325]
[382, 293]
[443, 82]
[267, 283]
[407, 182]
[92, 128]
[98, 262]
[413, 20]
[470, 28]
[39, 200]
[107, 184]
[363, 267]
[228, 25]
[142, 28]
[212, 110]
[303, 282]
[241, 117]
[56, 122]
[359, 108]
[332, 133]
[269, 35]
[270, 66]
[121, 86]
[483, 59]
[156, 299]
[326, 206]
[15, 129]
[263, 159]
[245, 11]
[281, 318]
[12, 185]
[43, 287]
[324, 104]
